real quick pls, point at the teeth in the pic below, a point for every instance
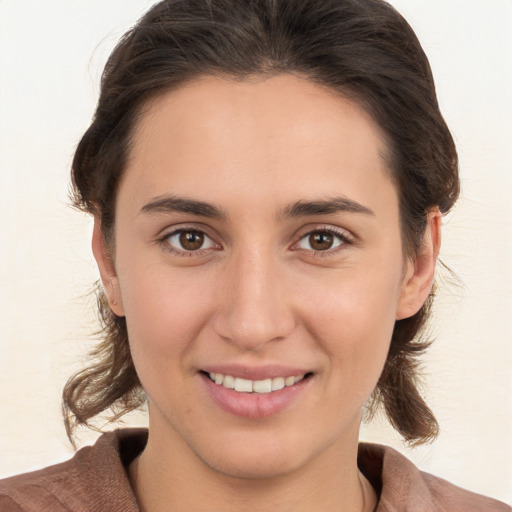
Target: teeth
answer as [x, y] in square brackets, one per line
[277, 383]
[262, 386]
[243, 385]
[229, 382]
[254, 386]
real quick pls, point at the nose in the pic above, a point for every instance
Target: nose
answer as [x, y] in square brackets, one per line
[254, 306]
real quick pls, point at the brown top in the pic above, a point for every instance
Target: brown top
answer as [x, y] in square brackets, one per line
[95, 480]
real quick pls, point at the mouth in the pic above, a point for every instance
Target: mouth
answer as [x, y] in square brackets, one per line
[263, 386]
[262, 396]
[256, 392]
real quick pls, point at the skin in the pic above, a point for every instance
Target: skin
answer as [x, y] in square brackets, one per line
[257, 293]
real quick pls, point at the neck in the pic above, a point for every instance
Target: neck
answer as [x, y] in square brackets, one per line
[168, 476]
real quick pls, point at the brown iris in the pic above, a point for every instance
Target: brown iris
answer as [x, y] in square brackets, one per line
[191, 240]
[321, 240]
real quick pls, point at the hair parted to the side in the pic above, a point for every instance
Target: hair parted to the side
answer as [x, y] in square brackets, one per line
[362, 49]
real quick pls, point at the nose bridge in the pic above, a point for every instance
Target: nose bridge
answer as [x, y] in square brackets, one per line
[254, 308]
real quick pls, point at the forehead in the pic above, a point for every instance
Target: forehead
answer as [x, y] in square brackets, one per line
[264, 138]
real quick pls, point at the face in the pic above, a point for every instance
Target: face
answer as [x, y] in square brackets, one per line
[257, 244]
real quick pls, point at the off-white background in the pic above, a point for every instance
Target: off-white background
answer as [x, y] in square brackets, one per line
[51, 54]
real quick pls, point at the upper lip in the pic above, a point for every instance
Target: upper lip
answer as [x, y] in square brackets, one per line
[255, 372]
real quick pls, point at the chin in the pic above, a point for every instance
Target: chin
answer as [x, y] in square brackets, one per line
[253, 467]
[253, 456]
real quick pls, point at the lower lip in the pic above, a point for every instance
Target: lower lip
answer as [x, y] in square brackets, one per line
[253, 405]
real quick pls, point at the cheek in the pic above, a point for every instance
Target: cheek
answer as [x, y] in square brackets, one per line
[353, 315]
[165, 309]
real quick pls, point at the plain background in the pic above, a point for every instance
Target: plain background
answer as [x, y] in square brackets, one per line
[51, 56]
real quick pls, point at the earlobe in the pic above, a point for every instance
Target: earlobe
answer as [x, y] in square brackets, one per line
[419, 277]
[107, 269]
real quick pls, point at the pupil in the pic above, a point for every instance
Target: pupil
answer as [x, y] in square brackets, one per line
[321, 241]
[191, 241]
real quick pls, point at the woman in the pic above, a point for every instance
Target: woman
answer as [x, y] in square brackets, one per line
[267, 181]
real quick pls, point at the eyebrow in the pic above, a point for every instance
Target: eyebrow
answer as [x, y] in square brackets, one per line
[325, 207]
[170, 204]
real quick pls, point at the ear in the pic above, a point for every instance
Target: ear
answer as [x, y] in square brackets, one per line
[420, 270]
[107, 269]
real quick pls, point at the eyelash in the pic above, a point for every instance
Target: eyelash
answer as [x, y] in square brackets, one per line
[164, 242]
[342, 236]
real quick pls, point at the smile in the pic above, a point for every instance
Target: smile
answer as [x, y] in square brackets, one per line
[254, 386]
[260, 397]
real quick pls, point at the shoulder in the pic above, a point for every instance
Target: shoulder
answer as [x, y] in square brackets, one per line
[403, 487]
[95, 476]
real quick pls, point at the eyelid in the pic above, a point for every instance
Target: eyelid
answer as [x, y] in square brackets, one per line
[347, 238]
[183, 226]
[162, 239]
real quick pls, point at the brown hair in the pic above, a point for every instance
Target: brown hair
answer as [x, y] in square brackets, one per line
[362, 49]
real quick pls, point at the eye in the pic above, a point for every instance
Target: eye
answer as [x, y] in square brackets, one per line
[189, 240]
[322, 240]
